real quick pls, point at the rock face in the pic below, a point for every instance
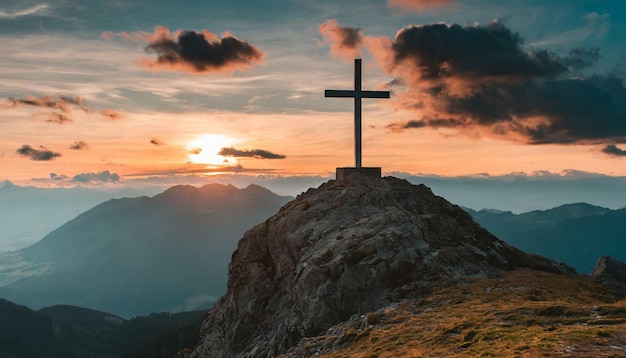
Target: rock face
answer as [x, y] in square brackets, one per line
[348, 247]
[611, 272]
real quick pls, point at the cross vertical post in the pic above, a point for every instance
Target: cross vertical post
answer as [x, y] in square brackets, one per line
[357, 112]
[357, 94]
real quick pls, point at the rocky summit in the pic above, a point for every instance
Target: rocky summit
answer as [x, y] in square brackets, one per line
[347, 247]
[611, 273]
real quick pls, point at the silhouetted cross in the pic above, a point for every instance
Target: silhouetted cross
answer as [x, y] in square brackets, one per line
[357, 94]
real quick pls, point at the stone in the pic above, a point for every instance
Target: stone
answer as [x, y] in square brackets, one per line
[372, 172]
[349, 247]
[611, 273]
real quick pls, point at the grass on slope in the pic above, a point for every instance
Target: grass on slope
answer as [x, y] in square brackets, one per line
[524, 314]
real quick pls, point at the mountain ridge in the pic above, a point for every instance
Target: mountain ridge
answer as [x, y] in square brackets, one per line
[139, 255]
[576, 234]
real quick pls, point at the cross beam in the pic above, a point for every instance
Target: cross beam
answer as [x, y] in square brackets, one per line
[357, 93]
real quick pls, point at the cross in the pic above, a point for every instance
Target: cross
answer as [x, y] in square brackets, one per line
[357, 93]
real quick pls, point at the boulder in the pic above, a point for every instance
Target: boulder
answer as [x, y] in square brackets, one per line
[611, 273]
[346, 248]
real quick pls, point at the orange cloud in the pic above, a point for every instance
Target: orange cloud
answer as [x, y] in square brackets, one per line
[80, 145]
[133, 37]
[54, 117]
[420, 5]
[112, 114]
[344, 41]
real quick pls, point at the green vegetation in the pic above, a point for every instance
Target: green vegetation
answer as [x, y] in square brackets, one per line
[576, 234]
[523, 314]
[68, 331]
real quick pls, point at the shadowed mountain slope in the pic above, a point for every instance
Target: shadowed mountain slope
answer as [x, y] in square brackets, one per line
[73, 332]
[576, 234]
[134, 256]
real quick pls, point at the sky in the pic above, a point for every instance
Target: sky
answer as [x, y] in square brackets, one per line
[112, 92]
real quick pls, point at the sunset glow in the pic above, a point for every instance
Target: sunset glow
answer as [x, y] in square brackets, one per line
[205, 149]
[476, 87]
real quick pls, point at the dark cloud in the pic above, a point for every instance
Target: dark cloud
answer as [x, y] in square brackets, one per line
[41, 154]
[344, 41]
[195, 150]
[104, 176]
[157, 141]
[112, 114]
[255, 153]
[79, 145]
[481, 79]
[62, 103]
[200, 52]
[61, 106]
[581, 58]
[493, 51]
[55, 176]
[425, 122]
[612, 149]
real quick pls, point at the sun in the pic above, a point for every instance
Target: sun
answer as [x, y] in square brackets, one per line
[204, 149]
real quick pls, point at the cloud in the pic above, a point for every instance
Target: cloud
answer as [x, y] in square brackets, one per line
[55, 176]
[103, 177]
[112, 114]
[33, 10]
[420, 5]
[62, 103]
[344, 41]
[80, 145]
[61, 106]
[196, 150]
[42, 154]
[441, 51]
[200, 52]
[255, 153]
[581, 58]
[54, 117]
[157, 141]
[613, 150]
[107, 35]
[480, 80]
[203, 169]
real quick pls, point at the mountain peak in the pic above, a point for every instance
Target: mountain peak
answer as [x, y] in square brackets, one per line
[347, 247]
[7, 184]
[165, 245]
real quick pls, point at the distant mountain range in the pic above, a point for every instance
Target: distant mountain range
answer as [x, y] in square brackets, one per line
[29, 213]
[170, 252]
[69, 331]
[576, 234]
[134, 256]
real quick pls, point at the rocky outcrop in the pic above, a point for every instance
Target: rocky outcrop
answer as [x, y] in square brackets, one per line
[347, 247]
[611, 273]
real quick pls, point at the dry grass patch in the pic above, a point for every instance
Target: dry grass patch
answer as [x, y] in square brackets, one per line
[523, 314]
